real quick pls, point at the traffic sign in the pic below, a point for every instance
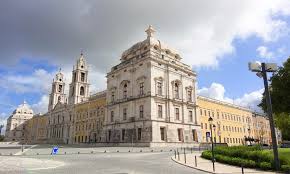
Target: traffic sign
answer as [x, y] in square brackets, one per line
[54, 150]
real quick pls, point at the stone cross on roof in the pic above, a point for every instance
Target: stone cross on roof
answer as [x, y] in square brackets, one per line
[150, 31]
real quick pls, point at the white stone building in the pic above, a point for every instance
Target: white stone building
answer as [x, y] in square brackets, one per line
[61, 112]
[15, 129]
[151, 98]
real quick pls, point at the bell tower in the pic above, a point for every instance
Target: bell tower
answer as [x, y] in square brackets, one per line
[57, 91]
[79, 87]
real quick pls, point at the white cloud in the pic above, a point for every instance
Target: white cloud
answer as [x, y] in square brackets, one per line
[251, 99]
[41, 106]
[265, 53]
[202, 30]
[37, 82]
[217, 91]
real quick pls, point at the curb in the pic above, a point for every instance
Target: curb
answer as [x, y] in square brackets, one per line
[192, 166]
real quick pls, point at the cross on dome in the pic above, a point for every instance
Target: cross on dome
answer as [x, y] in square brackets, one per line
[150, 31]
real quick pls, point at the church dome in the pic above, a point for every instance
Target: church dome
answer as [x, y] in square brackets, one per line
[24, 108]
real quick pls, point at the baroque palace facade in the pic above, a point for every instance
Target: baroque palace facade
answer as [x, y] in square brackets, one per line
[150, 100]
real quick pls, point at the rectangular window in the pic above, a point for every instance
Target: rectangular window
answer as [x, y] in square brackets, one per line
[180, 134]
[112, 116]
[194, 135]
[200, 111]
[205, 125]
[201, 125]
[190, 116]
[160, 111]
[162, 133]
[113, 96]
[125, 91]
[159, 88]
[109, 136]
[141, 111]
[189, 95]
[125, 114]
[176, 90]
[177, 113]
[123, 134]
[59, 88]
[141, 85]
[82, 77]
[139, 133]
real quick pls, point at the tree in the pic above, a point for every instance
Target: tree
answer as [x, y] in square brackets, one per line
[280, 96]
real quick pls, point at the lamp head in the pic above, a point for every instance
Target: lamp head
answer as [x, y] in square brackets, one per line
[271, 67]
[254, 66]
[210, 120]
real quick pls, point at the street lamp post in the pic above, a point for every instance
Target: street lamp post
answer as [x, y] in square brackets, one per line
[214, 130]
[210, 120]
[262, 70]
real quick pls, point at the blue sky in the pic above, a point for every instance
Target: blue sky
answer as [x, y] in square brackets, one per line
[217, 38]
[233, 71]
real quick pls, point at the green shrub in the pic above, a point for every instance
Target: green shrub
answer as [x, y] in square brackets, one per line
[252, 157]
[206, 154]
[265, 165]
[248, 163]
[285, 168]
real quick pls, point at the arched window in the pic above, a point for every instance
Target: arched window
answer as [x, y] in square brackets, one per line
[59, 88]
[176, 90]
[125, 90]
[82, 91]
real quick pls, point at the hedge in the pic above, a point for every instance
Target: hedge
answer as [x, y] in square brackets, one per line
[252, 157]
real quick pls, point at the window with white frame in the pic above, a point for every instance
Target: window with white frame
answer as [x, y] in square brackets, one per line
[124, 113]
[190, 115]
[159, 88]
[189, 95]
[112, 116]
[176, 90]
[177, 113]
[113, 96]
[141, 111]
[125, 91]
[141, 86]
[160, 111]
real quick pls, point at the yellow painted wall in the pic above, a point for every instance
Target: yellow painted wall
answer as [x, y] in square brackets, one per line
[89, 118]
[231, 121]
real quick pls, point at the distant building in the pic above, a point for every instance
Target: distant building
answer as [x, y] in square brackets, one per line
[36, 129]
[261, 128]
[15, 129]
